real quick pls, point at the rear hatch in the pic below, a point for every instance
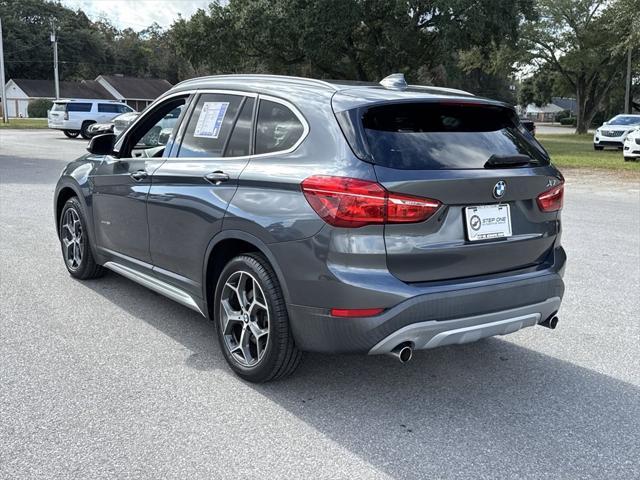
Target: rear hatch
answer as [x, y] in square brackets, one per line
[57, 113]
[485, 169]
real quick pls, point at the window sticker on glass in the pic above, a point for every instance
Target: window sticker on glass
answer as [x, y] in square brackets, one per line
[210, 119]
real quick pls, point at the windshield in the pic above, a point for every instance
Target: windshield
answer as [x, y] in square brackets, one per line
[432, 136]
[128, 116]
[625, 120]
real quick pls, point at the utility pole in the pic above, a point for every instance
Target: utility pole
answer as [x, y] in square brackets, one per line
[3, 91]
[627, 93]
[54, 40]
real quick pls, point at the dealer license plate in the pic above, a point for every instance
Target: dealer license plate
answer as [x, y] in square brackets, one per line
[485, 222]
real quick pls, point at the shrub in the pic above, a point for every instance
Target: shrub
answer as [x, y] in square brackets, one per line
[38, 108]
[568, 121]
[563, 114]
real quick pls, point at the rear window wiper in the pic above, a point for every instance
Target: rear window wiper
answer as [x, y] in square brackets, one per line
[506, 161]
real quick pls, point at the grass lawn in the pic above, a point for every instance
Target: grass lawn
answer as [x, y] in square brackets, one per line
[576, 151]
[24, 123]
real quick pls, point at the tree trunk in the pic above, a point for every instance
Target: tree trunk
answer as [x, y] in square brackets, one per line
[581, 102]
[585, 117]
[589, 97]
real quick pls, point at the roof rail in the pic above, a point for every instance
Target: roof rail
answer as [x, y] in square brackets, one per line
[286, 78]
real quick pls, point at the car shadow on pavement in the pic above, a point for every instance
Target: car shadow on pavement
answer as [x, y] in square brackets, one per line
[490, 406]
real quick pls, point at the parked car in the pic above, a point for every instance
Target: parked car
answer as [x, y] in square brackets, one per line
[305, 215]
[74, 117]
[613, 132]
[529, 125]
[122, 122]
[99, 129]
[631, 149]
[117, 125]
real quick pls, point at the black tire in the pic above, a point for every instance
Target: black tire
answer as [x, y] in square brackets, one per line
[83, 266]
[281, 356]
[85, 127]
[71, 133]
[598, 147]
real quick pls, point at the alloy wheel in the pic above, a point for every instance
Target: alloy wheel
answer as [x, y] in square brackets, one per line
[244, 318]
[72, 239]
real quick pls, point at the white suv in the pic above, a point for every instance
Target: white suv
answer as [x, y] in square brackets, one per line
[73, 117]
[632, 146]
[613, 132]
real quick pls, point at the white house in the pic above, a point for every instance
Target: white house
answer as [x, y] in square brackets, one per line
[548, 112]
[135, 92]
[21, 91]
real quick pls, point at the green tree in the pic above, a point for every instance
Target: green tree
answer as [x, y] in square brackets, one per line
[537, 89]
[28, 51]
[449, 42]
[86, 49]
[584, 42]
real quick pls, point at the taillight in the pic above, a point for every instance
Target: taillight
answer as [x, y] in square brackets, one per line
[351, 202]
[551, 200]
[66, 115]
[407, 209]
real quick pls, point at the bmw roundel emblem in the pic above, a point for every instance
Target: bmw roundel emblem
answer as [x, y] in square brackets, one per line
[499, 189]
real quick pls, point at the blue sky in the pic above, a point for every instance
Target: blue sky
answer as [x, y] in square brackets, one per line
[137, 14]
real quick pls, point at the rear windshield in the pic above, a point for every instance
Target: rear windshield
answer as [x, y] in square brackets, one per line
[59, 107]
[431, 136]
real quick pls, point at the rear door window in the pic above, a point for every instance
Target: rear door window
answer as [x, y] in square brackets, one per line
[278, 128]
[78, 107]
[108, 108]
[210, 125]
[428, 136]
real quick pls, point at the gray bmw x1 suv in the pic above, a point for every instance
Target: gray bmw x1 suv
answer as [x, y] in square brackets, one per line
[305, 215]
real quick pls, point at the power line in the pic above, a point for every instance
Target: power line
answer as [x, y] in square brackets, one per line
[72, 63]
[24, 49]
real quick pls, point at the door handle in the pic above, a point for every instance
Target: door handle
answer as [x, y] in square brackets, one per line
[216, 177]
[139, 175]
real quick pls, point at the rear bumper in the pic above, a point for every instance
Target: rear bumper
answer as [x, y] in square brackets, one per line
[432, 334]
[456, 315]
[61, 125]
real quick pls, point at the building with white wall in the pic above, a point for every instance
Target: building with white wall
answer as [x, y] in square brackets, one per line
[136, 92]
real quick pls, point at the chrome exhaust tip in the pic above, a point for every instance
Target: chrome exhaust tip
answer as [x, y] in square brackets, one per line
[402, 352]
[551, 322]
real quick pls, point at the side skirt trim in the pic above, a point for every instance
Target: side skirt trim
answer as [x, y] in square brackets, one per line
[169, 291]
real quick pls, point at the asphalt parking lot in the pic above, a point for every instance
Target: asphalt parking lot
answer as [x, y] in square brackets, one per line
[105, 379]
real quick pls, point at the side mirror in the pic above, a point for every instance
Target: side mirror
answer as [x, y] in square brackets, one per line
[102, 144]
